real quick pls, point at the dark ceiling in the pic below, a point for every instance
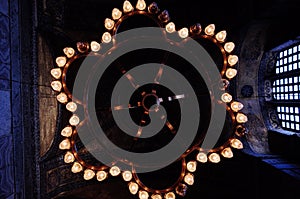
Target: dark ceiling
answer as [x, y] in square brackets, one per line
[65, 22]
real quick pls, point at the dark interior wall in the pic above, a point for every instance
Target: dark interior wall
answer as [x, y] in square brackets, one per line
[18, 104]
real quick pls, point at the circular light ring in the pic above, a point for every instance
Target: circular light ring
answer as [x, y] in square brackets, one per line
[219, 45]
[155, 17]
[64, 74]
[134, 13]
[79, 159]
[162, 191]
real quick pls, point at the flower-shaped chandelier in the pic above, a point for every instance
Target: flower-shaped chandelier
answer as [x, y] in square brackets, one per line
[135, 185]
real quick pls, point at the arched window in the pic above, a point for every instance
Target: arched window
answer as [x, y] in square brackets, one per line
[286, 86]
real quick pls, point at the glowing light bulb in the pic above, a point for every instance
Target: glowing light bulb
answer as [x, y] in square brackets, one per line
[56, 86]
[62, 98]
[191, 166]
[141, 5]
[66, 132]
[231, 73]
[127, 7]
[189, 179]
[143, 195]
[227, 153]
[183, 33]
[101, 175]
[95, 46]
[116, 14]
[229, 47]
[241, 118]
[65, 144]
[210, 29]
[237, 144]
[214, 158]
[236, 106]
[71, 106]
[133, 188]
[114, 171]
[56, 73]
[170, 27]
[202, 157]
[69, 52]
[69, 157]
[106, 37]
[221, 36]
[88, 174]
[74, 120]
[232, 60]
[127, 176]
[170, 195]
[61, 61]
[156, 196]
[226, 97]
[109, 24]
[181, 189]
[76, 168]
[196, 29]
[153, 8]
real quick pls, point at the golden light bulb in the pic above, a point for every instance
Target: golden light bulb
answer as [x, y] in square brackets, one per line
[95, 46]
[236, 143]
[189, 179]
[221, 36]
[170, 27]
[226, 97]
[236, 106]
[229, 47]
[106, 37]
[141, 5]
[143, 195]
[127, 7]
[232, 60]
[127, 176]
[114, 171]
[109, 24]
[156, 196]
[133, 188]
[65, 144]
[191, 166]
[170, 195]
[66, 132]
[62, 98]
[214, 158]
[101, 175]
[116, 14]
[69, 157]
[241, 118]
[76, 168]
[88, 174]
[56, 73]
[227, 153]
[61, 61]
[71, 106]
[202, 157]
[69, 52]
[183, 33]
[231, 73]
[56, 86]
[210, 29]
[74, 120]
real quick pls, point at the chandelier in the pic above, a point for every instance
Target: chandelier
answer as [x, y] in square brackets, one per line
[101, 172]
